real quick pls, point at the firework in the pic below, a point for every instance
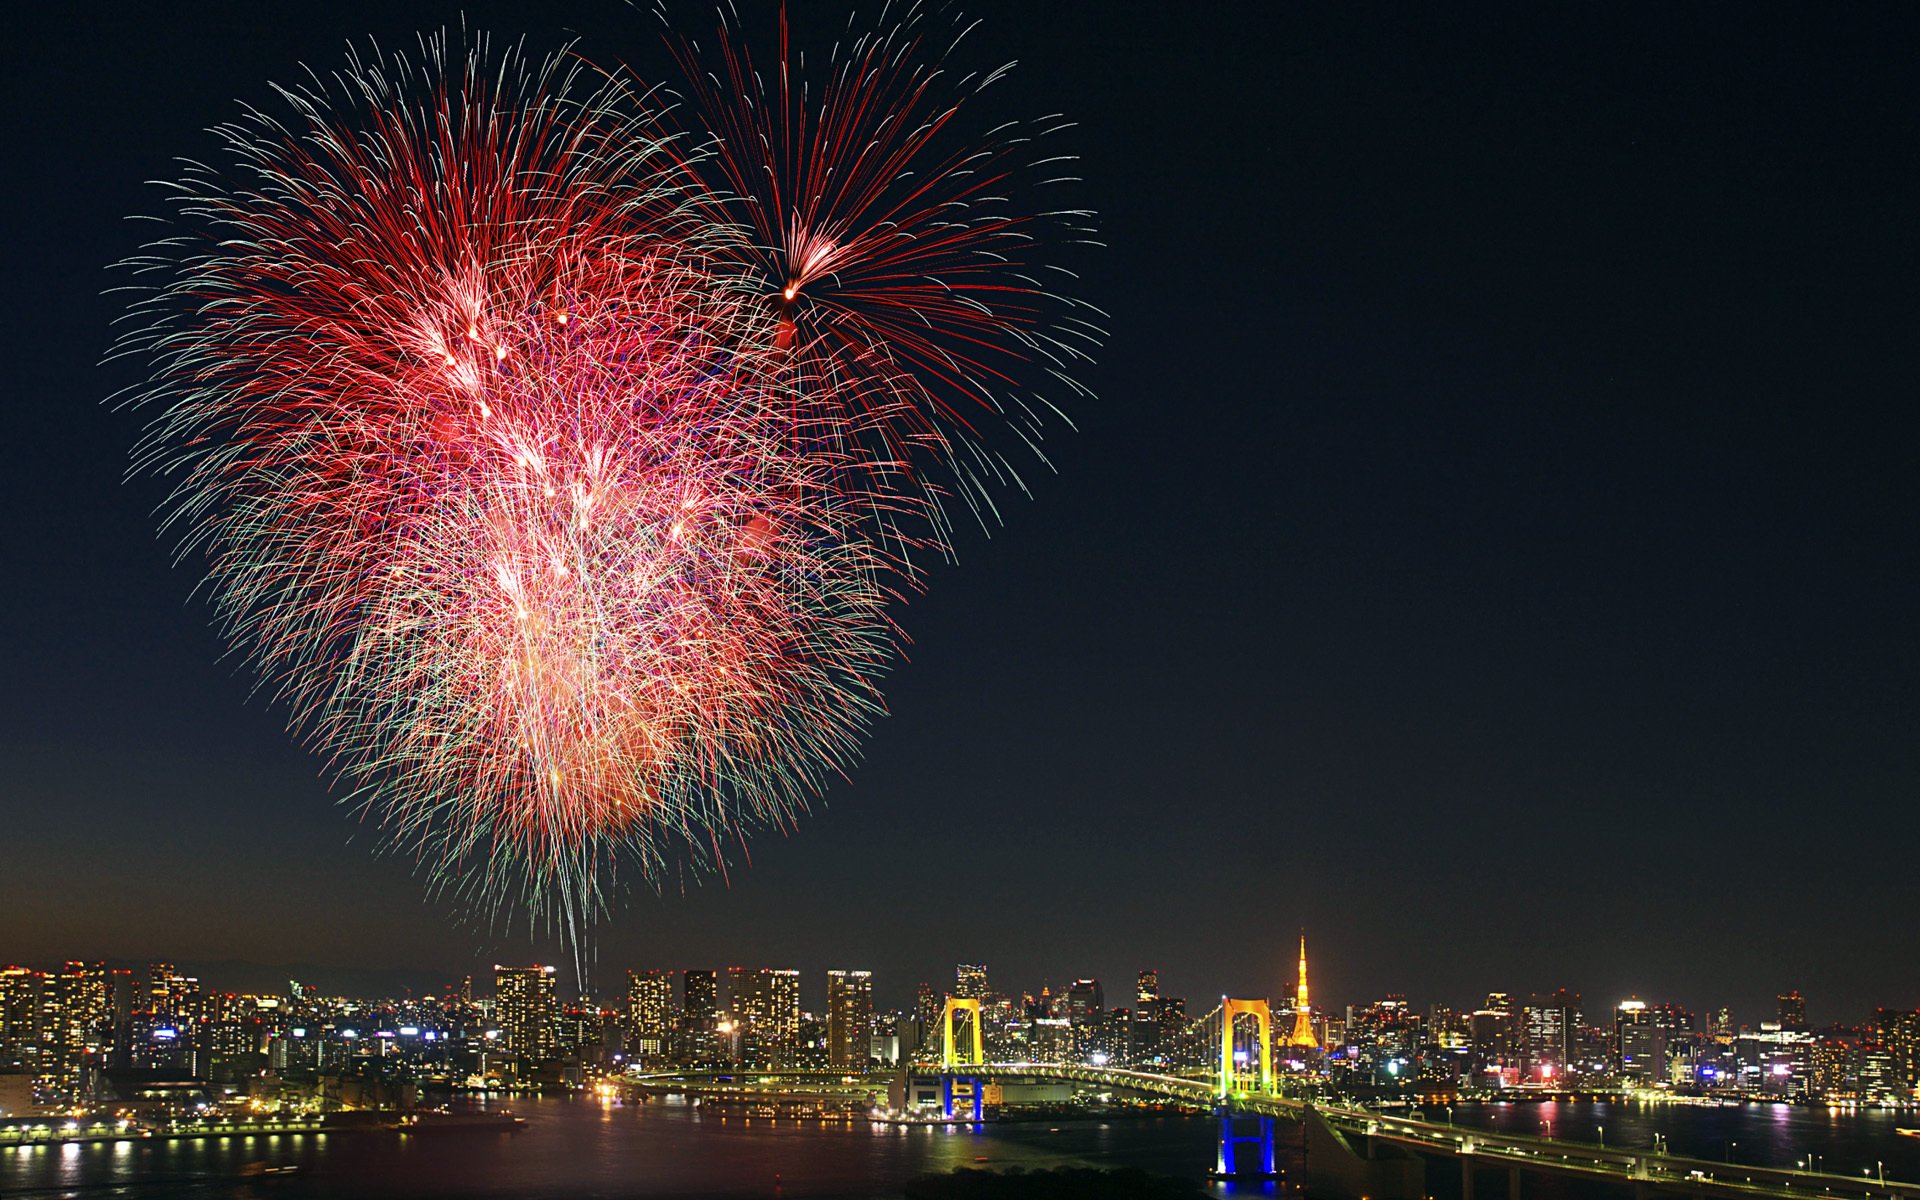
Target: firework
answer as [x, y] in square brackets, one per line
[914, 295]
[567, 543]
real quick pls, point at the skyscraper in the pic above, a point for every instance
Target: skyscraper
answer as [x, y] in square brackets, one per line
[1639, 1042]
[970, 981]
[765, 1004]
[1793, 1011]
[700, 1015]
[527, 1008]
[1085, 1000]
[649, 1012]
[1549, 1029]
[849, 1017]
[19, 1011]
[1148, 989]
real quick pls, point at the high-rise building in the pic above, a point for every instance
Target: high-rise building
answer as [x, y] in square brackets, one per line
[1550, 1037]
[765, 1004]
[926, 1014]
[700, 1016]
[1793, 1011]
[650, 1013]
[1148, 989]
[1494, 1034]
[1085, 1001]
[19, 1013]
[700, 995]
[76, 1029]
[1640, 1033]
[1899, 1032]
[970, 981]
[849, 1017]
[526, 1006]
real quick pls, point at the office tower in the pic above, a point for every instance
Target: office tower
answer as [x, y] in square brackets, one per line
[970, 981]
[1793, 1011]
[849, 1017]
[527, 1009]
[1147, 990]
[1084, 1000]
[1549, 1029]
[159, 980]
[1639, 1040]
[649, 1013]
[1720, 1025]
[927, 1008]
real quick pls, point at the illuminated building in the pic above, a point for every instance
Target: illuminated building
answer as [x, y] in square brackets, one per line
[173, 998]
[1143, 1043]
[765, 1005]
[1085, 1001]
[1549, 1026]
[970, 981]
[700, 1016]
[849, 1017]
[526, 1007]
[1300, 1037]
[1493, 1033]
[1793, 1010]
[1644, 1034]
[19, 1013]
[1899, 1034]
[926, 1014]
[650, 1013]
[76, 1025]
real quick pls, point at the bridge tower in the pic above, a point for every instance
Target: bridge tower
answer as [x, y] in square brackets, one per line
[1257, 1009]
[968, 1090]
[948, 1054]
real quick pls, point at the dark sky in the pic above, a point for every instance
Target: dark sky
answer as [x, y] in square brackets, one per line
[1492, 546]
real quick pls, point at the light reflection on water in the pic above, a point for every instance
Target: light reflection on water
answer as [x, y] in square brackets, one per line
[657, 1150]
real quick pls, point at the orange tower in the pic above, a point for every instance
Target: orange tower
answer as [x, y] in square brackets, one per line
[1302, 1035]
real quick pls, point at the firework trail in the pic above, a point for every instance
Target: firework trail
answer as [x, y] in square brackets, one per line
[566, 535]
[913, 290]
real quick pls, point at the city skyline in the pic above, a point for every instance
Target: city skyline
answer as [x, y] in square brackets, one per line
[811, 987]
[86, 1031]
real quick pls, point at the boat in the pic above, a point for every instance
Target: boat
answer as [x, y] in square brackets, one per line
[435, 1120]
[1905, 1132]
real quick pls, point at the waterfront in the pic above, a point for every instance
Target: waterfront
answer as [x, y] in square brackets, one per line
[581, 1147]
[1846, 1141]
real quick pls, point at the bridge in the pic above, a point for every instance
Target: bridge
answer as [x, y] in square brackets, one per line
[1357, 1152]
[1350, 1152]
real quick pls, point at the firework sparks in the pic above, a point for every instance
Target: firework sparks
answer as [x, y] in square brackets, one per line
[567, 548]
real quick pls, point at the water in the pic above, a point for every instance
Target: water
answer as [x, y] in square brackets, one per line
[1847, 1142]
[584, 1148]
[654, 1151]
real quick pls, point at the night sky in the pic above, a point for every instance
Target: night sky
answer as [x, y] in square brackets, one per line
[1492, 545]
